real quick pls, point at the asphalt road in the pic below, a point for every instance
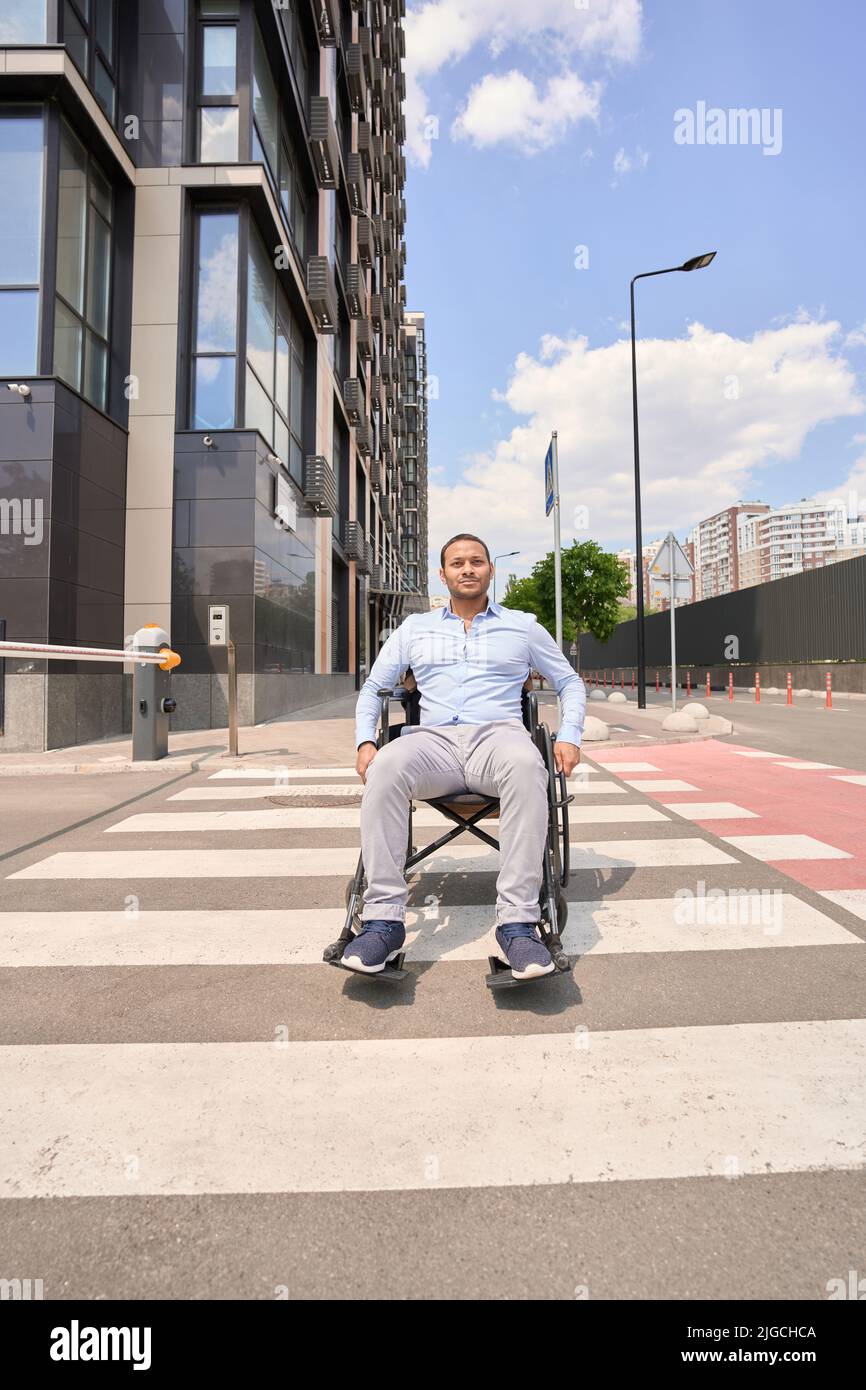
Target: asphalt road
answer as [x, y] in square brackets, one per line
[195, 1107]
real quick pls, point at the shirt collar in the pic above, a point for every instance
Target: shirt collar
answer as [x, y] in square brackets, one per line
[494, 609]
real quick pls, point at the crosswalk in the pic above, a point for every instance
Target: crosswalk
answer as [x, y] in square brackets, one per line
[213, 1053]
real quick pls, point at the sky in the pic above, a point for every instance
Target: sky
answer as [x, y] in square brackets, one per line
[556, 149]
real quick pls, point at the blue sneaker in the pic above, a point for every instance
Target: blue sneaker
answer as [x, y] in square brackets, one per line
[376, 944]
[524, 950]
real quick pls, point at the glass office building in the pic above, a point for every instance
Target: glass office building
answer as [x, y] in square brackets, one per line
[208, 380]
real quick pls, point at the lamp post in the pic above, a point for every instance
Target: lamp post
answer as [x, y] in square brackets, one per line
[696, 263]
[506, 555]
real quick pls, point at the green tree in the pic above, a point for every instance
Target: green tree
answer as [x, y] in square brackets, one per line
[593, 582]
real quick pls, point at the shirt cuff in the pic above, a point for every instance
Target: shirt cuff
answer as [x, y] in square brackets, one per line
[569, 733]
[362, 737]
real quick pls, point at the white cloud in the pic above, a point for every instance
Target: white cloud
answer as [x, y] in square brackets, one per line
[510, 109]
[857, 337]
[440, 33]
[715, 412]
[624, 163]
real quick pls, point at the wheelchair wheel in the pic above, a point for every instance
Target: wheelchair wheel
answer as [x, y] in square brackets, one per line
[561, 910]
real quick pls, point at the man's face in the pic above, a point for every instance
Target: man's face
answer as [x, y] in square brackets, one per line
[467, 572]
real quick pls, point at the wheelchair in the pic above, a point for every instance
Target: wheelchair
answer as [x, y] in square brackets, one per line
[466, 810]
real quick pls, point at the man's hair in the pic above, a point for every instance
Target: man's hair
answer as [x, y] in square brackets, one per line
[464, 536]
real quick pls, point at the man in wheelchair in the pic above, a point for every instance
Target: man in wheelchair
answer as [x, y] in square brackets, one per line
[470, 661]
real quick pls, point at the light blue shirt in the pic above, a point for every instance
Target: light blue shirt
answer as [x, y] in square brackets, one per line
[471, 677]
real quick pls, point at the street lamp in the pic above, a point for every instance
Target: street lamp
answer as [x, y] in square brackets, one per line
[505, 556]
[696, 263]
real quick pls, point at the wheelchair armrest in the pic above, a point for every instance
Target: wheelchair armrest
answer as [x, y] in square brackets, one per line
[530, 710]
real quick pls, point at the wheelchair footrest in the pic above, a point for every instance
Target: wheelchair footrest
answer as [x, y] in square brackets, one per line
[393, 971]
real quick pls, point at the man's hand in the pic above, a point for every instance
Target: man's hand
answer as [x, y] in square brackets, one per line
[566, 756]
[366, 754]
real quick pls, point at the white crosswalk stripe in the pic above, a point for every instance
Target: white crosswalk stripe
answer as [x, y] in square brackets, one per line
[660, 784]
[317, 817]
[331, 1116]
[439, 932]
[301, 863]
[711, 810]
[321, 791]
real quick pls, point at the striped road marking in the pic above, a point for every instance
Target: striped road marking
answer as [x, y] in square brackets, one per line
[710, 810]
[610, 766]
[854, 899]
[341, 818]
[858, 780]
[771, 847]
[238, 792]
[246, 936]
[300, 863]
[283, 773]
[805, 766]
[659, 784]
[485, 1112]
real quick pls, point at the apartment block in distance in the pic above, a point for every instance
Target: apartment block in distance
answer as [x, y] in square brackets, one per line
[716, 553]
[800, 536]
[202, 315]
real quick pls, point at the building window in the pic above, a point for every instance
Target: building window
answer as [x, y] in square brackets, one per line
[218, 116]
[22, 21]
[297, 51]
[275, 362]
[292, 199]
[21, 174]
[83, 303]
[90, 35]
[266, 110]
[215, 330]
[273, 147]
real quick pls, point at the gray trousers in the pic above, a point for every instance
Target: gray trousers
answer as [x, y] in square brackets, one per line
[497, 759]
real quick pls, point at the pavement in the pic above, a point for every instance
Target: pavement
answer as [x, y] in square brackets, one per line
[194, 1106]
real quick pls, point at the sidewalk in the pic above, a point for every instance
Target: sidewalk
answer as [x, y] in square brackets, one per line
[319, 736]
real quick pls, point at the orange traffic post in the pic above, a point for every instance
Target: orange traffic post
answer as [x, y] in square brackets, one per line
[688, 683]
[632, 678]
[657, 682]
[757, 687]
[622, 680]
[731, 685]
[708, 685]
[790, 699]
[829, 691]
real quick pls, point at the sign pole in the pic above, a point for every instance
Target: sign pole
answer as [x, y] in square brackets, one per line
[673, 623]
[557, 548]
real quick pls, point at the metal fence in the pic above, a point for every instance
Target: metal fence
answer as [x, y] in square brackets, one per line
[819, 615]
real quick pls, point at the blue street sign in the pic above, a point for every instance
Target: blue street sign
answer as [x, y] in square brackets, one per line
[548, 480]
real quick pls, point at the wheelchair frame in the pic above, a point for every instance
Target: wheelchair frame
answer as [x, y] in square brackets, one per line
[456, 808]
